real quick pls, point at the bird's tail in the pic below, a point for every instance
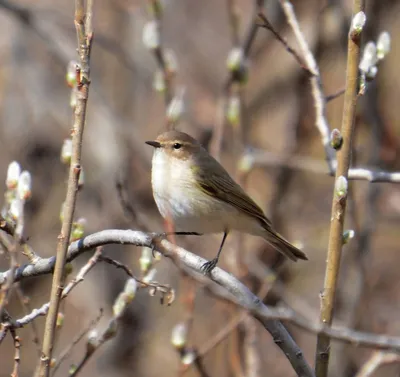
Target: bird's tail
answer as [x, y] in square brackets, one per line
[283, 246]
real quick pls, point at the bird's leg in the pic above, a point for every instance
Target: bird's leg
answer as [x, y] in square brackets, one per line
[209, 266]
[166, 234]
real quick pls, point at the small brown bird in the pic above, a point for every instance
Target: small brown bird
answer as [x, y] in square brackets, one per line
[192, 188]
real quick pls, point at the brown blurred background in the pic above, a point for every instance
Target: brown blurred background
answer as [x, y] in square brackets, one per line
[37, 40]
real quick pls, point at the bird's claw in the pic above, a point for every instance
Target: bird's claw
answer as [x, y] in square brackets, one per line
[207, 267]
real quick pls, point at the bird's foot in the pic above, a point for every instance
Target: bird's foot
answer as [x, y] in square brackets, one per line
[188, 234]
[207, 267]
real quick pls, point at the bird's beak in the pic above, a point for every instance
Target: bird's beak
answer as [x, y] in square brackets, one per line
[154, 144]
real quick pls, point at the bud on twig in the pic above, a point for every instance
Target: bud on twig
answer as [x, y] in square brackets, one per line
[383, 45]
[66, 151]
[246, 163]
[347, 236]
[13, 173]
[171, 62]
[188, 357]
[341, 187]
[16, 209]
[159, 81]
[235, 59]
[369, 60]
[125, 297]
[150, 36]
[176, 107]
[336, 139]
[60, 319]
[70, 76]
[24, 185]
[233, 110]
[179, 335]
[81, 180]
[145, 260]
[357, 24]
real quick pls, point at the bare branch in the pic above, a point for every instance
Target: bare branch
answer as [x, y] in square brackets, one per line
[377, 359]
[83, 24]
[339, 200]
[238, 293]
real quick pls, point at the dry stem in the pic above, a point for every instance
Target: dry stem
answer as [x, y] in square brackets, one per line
[339, 204]
[83, 24]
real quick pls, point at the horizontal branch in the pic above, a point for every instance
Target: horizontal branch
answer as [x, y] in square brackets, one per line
[183, 258]
[242, 296]
[260, 157]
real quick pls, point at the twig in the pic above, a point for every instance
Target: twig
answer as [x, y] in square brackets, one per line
[27, 309]
[44, 309]
[309, 164]
[235, 76]
[159, 53]
[64, 354]
[83, 24]
[339, 198]
[377, 359]
[95, 341]
[267, 25]
[7, 287]
[187, 260]
[17, 354]
[238, 293]
[316, 85]
[333, 96]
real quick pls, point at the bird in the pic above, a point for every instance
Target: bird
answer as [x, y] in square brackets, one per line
[193, 189]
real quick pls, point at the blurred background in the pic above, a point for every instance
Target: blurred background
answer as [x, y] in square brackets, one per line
[37, 41]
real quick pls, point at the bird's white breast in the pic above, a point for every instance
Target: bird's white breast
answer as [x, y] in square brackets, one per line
[178, 196]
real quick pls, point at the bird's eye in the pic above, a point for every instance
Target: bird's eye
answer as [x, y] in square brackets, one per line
[177, 146]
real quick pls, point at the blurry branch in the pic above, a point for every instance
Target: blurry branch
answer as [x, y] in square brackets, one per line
[64, 354]
[238, 293]
[377, 359]
[17, 354]
[340, 194]
[316, 85]
[264, 23]
[27, 309]
[44, 309]
[83, 25]
[309, 164]
[94, 340]
[238, 72]
[333, 96]
[153, 36]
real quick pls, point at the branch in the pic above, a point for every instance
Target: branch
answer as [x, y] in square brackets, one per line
[238, 293]
[339, 200]
[83, 24]
[309, 164]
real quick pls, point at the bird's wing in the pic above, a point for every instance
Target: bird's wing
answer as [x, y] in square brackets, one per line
[220, 185]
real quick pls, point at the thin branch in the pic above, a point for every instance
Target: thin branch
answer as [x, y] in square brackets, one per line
[44, 309]
[83, 24]
[333, 96]
[309, 164]
[267, 25]
[377, 359]
[27, 309]
[17, 354]
[339, 198]
[238, 293]
[160, 55]
[64, 354]
[316, 86]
